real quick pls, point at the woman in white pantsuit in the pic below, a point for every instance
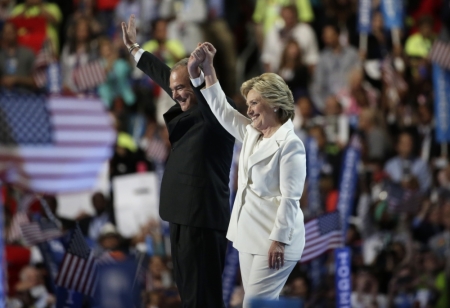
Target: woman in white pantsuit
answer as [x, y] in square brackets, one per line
[266, 225]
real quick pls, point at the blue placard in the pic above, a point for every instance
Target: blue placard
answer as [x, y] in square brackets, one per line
[68, 299]
[348, 181]
[281, 303]
[392, 13]
[441, 84]
[117, 285]
[2, 257]
[364, 16]
[313, 174]
[229, 273]
[342, 277]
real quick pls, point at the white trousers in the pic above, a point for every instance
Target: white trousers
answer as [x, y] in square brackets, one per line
[259, 280]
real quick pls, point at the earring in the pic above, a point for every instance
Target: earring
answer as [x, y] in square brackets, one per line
[275, 110]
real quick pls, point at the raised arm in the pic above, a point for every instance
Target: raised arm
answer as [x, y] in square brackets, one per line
[157, 70]
[234, 122]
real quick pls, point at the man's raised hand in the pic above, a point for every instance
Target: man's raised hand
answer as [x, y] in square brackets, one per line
[129, 31]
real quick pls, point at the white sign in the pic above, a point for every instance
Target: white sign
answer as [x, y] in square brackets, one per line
[136, 201]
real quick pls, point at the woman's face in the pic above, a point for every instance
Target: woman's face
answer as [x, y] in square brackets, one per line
[82, 31]
[260, 112]
[293, 51]
[105, 49]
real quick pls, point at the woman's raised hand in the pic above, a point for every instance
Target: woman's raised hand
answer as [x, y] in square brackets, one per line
[210, 52]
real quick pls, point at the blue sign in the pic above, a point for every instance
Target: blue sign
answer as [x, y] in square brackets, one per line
[441, 84]
[342, 277]
[229, 273]
[68, 299]
[54, 78]
[364, 16]
[2, 257]
[348, 181]
[116, 285]
[392, 13]
[313, 174]
[281, 303]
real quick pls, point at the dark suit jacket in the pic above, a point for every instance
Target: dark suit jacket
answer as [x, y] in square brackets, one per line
[194, 188]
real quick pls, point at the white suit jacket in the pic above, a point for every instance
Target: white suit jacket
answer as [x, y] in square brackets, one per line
[270, 183]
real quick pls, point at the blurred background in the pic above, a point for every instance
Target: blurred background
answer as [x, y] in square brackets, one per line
[354, 70]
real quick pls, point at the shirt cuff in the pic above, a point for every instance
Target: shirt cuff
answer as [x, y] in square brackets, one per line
[196, 82]
[138, 55]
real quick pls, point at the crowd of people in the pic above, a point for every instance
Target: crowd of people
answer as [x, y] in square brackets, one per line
[382, 94]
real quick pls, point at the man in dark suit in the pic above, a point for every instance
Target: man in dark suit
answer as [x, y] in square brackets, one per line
[194, 189]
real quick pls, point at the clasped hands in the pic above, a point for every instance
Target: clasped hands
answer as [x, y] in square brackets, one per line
[202, 55]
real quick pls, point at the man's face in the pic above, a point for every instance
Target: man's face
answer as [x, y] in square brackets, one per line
[181, 88]
[9, 33]
[330, 37]
[405, 145]
[290, 20]
[160, 31]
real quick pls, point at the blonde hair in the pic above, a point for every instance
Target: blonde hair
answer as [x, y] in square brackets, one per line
[275, 91]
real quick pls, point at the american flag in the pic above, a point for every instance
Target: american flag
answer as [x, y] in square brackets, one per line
[43, 59]
[321, 234]
[155, 149]
[53, 145]
[89, 76]
[78, 268]
[391, 77]
[36, 232]
[440, 54]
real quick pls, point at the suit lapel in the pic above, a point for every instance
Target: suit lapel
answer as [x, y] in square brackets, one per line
[271, 147]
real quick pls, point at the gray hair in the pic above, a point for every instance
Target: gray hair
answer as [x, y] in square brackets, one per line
[179, 64]
[275, 91]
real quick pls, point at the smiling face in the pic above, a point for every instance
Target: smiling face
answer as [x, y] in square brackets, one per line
[260, 112]
[181, 88]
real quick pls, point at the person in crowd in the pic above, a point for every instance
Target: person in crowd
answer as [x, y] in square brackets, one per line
[49, 11]
[366, 293]
[91, 226]
[293, 71]
[31, 289]
[329, 157]
[169, 51]
[186, 19]
[79, 50]
[266, 224]
[16, 62]
[406, 168]
[117, 83]
[335, 122]
[378, 143]
[335, 63]
[84, 9]
[6, 7]
[344, 14]
[304, 115]
[194, 195]
[147, 12]
[266, 15]
[217, 30]
[278, 37]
